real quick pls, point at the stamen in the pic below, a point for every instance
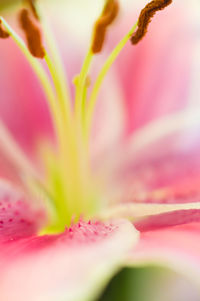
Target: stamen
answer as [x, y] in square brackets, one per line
[107, 17]
[68, 170]
[3, 34]
[145, 18]
[54, 63]
[33, 34]
[101, 76]
[43, 79]
[33, 8]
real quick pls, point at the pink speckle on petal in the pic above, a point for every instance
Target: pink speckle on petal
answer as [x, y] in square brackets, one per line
[80, 234]
[17, 218]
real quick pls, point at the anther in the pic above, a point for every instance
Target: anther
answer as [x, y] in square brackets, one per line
[32, 33]
[33, 8]
[3, 34]
[109, 14]
[145, 18]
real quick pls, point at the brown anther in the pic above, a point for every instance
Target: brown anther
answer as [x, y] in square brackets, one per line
[3, 34]
[32, 33]
[33, 8]
[145, 18]
[109, 13]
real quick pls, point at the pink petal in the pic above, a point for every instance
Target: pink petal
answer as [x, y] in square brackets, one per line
[147, 217]
[108, 120]
[8, 170]
[22, 106]
[175, 247]
[171, 178]
[167, 177]
[18, 219]
[74, 265]
[168, 219]
[155, 74]
[166, 173]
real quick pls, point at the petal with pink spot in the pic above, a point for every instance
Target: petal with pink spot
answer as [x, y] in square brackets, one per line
[74, 265]
[160, 184]
[18, 217]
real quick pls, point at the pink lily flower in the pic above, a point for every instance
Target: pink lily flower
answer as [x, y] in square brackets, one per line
[88, 188]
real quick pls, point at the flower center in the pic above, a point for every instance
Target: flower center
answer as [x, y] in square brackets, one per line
[69, 183]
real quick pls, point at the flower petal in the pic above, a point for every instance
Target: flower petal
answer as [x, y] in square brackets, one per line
[22, 106]
[175, 247]
[173, 218]
[165, 169]
[168, 176]
[139, 211]
[155, 75]
[18, 218]
[154, 216]
[73, 265]
[162, 174]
